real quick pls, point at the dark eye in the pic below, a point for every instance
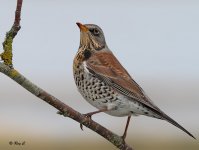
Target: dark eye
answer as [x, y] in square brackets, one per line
[95, 31]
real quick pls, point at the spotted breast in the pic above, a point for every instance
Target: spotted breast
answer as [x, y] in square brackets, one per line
[95, 91]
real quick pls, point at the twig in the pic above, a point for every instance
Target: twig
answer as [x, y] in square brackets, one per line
[18, 14]
[7, 69]
[6, 56]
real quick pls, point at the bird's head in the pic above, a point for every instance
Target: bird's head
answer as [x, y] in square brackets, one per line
[91, 37]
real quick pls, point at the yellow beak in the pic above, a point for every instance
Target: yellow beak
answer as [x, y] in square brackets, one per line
[82, 27]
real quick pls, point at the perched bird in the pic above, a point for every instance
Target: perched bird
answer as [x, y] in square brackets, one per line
[105, 83]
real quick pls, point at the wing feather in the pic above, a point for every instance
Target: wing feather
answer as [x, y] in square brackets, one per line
[105, 66]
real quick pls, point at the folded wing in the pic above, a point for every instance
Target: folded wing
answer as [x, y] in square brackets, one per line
[106, 67]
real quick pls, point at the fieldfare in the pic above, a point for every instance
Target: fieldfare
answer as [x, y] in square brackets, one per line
[105, 83]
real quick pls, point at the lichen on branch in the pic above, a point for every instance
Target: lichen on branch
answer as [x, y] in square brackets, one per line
[6, 56]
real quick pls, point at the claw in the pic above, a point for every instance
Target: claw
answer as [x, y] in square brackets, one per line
[81, 126]
[88, 115]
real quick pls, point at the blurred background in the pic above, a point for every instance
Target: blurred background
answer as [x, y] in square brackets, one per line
[156, 41]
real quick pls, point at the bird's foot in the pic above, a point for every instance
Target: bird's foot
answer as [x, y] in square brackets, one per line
[88, 115]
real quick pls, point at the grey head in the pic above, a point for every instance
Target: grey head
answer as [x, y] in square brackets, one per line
[91, 37]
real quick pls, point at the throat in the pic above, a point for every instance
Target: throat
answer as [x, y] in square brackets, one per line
[87, 54]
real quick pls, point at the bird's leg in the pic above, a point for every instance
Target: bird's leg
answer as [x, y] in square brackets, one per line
[126, 128]
[95, 112]
[89, 115]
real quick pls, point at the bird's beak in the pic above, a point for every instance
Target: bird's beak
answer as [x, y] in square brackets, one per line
[82, 27]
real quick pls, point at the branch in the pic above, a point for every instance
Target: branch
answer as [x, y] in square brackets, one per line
[7, 69]
[6, 56]
[66, 110]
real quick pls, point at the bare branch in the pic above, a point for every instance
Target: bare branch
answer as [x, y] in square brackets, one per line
[7, 69]
[66, 110]
[18, 13]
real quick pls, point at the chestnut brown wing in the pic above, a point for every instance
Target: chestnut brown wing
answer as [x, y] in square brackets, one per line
[105, 66]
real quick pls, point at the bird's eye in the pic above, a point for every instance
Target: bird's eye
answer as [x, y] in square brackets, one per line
[95, 32]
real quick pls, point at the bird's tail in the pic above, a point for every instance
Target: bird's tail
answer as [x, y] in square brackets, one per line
[170, 120]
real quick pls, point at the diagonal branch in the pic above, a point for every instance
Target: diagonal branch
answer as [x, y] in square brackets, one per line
[66, 110]
[7, 69]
